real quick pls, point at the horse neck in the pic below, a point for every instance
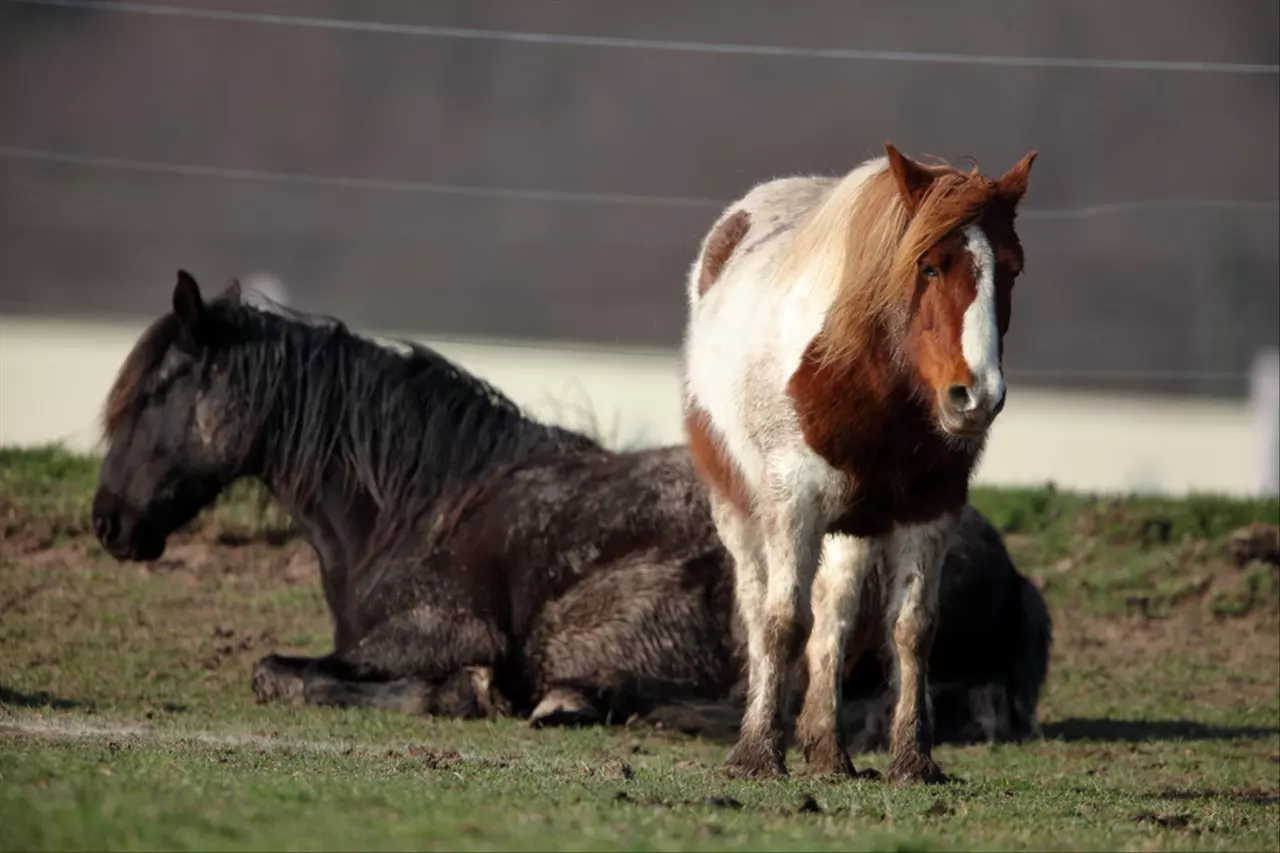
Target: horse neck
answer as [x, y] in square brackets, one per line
[337, 520]
[395, 450]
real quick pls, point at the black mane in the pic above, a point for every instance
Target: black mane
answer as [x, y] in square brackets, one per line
[406, 425]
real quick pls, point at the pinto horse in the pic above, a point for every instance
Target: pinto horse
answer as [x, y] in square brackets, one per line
[842, 365]
[478, 563]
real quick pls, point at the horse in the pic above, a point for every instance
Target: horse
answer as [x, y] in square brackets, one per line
[842, 365]
[475, 562]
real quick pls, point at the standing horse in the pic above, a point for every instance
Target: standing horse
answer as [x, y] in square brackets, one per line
[842, 364]
[476, 562]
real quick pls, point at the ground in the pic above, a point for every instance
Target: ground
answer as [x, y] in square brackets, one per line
[126, 720]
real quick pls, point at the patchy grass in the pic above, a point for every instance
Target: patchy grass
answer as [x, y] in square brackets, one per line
[126, 720]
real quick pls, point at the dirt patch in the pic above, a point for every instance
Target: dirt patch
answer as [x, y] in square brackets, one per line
[1084, 639]
[204, 556]
[1259, 542]
[21, 533]
[193, 556]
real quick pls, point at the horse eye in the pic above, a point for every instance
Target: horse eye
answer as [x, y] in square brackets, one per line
[929, 271]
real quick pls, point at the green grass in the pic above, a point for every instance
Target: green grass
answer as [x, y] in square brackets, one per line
[126, 720]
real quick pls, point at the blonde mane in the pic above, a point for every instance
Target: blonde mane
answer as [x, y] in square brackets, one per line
[860, 247]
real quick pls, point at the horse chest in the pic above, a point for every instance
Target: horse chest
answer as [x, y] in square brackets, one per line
[896, 468]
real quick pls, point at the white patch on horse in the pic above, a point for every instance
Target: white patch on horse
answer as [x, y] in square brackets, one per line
[980, 332]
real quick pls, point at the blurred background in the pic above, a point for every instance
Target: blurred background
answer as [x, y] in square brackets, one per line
[523, 183]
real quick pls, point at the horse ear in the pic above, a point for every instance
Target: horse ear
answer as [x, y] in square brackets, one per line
[189, 308]
[913, 179]
[232, 292]
[1013, 186]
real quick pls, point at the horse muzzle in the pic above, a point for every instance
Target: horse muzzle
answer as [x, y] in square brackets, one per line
[123, 534]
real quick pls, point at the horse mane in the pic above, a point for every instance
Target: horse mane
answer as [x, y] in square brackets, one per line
[130, 382]
[398, 419]
[859, 248]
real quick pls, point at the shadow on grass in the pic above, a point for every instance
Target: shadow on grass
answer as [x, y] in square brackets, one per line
[40, 700]
[1132, 731]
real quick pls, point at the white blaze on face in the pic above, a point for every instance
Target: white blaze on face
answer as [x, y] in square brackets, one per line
[980, 333]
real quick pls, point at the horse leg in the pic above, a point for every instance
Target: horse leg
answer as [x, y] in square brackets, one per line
[458, 695]
[918, 554]
[278, 678]
[758, 751]
[636, 633]
[428, 660]
[792, 543]
[837, 590]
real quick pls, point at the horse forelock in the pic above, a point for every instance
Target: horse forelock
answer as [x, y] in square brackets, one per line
[868, 247]
[131, 379]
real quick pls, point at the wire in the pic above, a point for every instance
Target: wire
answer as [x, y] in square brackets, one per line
[425, 30]
[618, 199]
[93, 161]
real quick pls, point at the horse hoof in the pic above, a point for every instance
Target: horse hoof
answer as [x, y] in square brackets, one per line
[827, 760]
[491, 703]
[915, 770]
[273, 683]
[754, 760]
[563, 707]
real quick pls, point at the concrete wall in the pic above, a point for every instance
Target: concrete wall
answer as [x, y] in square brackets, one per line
[54, 374]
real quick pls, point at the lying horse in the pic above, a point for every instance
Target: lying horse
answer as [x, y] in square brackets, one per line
[476, 562]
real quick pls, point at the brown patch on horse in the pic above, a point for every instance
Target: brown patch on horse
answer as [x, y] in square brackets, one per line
[711, 462]
[866, 423]
[721, 242]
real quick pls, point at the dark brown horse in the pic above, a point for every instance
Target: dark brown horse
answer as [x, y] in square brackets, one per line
[477, 562]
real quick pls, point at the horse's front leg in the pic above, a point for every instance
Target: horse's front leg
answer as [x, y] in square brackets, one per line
[792, 541]
[918, 553]
[278, 678]
[837, 591]
[759, 749]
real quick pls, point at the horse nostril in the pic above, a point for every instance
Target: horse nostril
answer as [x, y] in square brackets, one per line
[959, 398]
[106, 526]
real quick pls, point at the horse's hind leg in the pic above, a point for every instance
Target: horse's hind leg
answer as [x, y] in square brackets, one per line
[636, 634]
[564, 705]
[917, 554]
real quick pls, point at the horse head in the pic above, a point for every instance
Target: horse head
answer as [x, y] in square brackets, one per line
[171, 448]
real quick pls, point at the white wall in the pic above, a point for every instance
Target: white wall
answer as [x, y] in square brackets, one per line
[55, 373]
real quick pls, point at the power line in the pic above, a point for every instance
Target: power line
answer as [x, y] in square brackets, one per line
[425, 187]
[619, 42]
[514, 194]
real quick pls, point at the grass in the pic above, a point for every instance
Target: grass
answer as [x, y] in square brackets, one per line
[126, 721]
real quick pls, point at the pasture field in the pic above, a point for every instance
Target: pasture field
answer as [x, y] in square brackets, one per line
[126, 719]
